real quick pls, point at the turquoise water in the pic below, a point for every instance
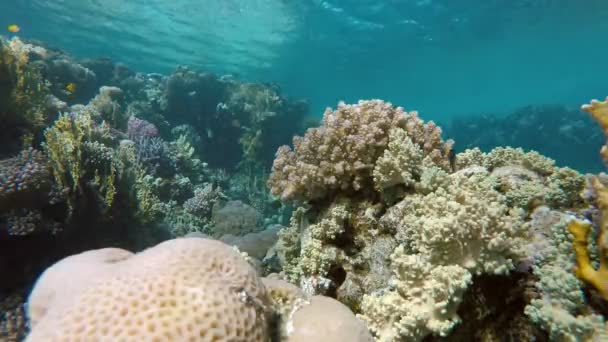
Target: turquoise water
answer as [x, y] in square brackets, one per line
[444, 58]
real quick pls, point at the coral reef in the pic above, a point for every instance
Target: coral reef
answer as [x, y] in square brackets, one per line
[245, 121]
[78, 158]
[178, 281]
[407, 240]
[405, 217]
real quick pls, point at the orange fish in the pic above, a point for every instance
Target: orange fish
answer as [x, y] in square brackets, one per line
[13, 28]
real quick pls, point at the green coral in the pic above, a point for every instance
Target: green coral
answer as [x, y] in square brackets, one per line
[528, 179]
[141, 189]
[78, 160]
[186, 160]
[23, 92]
[532, 160]
[64, 145]
[565, 186]
[288, 245]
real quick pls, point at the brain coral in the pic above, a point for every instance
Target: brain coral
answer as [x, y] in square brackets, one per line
[189, 289]
[341, 154]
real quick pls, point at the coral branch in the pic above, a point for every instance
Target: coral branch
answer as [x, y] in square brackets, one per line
[584, 270]
[599, 111]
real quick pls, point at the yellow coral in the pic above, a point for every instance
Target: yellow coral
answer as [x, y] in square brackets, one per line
[64, 142]
[66, 145]
[584, 270]
[25, 102]
[599, 111]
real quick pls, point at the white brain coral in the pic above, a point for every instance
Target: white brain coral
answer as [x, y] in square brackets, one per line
[189, 289]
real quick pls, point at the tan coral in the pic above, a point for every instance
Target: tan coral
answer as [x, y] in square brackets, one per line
[188, 289]
[339, 156]
[324, 319]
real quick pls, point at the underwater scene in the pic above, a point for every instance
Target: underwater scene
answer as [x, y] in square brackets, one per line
[303, 171]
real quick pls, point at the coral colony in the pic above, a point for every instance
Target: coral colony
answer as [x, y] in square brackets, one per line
[251, 222]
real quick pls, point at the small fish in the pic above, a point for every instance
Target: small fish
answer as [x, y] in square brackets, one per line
[70, 87]
[13, 28]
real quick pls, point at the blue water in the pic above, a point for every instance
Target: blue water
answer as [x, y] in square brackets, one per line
[442, 57]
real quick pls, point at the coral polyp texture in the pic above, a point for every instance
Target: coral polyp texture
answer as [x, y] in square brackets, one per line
[340, 156]
[183, 289]
[28, 172]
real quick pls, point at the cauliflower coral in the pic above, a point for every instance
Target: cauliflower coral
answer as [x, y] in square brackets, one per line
[462, 229]
[340, 156]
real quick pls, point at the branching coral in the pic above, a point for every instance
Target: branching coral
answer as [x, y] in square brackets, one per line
[597, 278]
[339, 156]
[132, 176]
[585, 271]
[401, 162]
[76, 158]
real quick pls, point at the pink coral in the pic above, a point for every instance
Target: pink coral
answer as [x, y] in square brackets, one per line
[139, 128]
